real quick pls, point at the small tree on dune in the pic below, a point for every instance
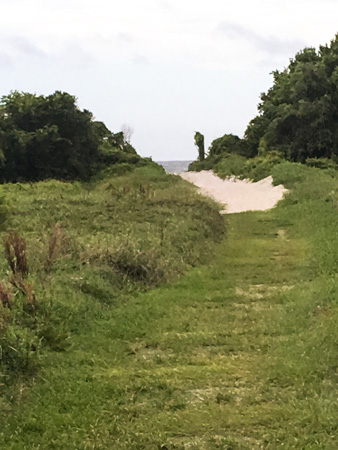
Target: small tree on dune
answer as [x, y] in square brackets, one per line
[199, 142]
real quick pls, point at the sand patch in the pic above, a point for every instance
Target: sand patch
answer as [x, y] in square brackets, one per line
[237, 195]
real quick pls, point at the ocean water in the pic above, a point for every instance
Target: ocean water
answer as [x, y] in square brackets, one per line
[175, 167]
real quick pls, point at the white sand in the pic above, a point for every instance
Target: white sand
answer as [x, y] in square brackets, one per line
[237, 195]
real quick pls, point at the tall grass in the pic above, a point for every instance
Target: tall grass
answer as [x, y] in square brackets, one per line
[239, 353]
[87, 245]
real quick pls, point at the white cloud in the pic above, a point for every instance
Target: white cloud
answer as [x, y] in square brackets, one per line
[178, 64]
[274, 47]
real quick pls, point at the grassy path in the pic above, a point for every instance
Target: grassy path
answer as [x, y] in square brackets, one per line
[214, 361]
[199, 374]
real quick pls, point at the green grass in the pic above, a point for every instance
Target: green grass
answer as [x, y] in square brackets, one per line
[89, 247]
[238, 354]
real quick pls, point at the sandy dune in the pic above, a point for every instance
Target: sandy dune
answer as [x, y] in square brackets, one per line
[237, 195]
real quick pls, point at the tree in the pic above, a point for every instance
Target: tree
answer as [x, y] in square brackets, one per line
[229, 143]
[50, 137]
[299, 114]
[127, 133]
[199, 142]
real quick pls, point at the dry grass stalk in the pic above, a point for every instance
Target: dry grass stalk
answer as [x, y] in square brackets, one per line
[55, 245]
[26, 288]
[5, 297]
[15, 252]
[4, 320]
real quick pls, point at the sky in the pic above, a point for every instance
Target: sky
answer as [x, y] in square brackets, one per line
[163, 68]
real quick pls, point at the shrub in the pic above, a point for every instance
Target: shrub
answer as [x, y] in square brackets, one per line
[27, 324]
[253, 168]
[197, 166]
[322, 163]
[50, 137]
[230, 165]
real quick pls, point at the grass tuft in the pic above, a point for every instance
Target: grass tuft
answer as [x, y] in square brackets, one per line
[5, 296]
[56, 245]
[15, 252]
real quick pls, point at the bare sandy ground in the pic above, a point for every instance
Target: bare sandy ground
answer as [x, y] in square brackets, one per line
[237, 195]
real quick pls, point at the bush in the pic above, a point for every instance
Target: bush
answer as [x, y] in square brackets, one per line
[260, 166]
[197, 166]
[322, 163]
[253, 168]
[50, 137]
[230, 165]
[26, 322]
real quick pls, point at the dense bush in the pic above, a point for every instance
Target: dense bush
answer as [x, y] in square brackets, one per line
[229, 144]
[232, 164]
[299, 115]
[322, 163]
[50, 137]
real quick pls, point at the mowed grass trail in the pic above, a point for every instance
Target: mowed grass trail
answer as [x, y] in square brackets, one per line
[240, 354]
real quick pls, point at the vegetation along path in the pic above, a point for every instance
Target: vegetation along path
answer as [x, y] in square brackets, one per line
[240, 354]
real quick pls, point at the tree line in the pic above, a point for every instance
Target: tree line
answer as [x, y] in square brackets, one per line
[298, 115]
[51, 137]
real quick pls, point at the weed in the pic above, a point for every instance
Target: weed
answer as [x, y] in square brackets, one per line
[15, 252]
[27, 290]
[5, 296]
[56, 244]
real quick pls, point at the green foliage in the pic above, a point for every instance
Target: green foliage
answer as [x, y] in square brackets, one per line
[229, 143]
[83, 247]
[253, 168]
[230, 165]
[241, 353]
[50, 137]
[261, 166]
[3, 210]
[197, 166]
[253, 134]
[298, 115]
[322, 163]
[28, 321]
[199, 142]
[291, 174]
[297, 121]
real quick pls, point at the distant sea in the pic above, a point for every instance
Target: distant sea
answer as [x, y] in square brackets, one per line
[175, 166]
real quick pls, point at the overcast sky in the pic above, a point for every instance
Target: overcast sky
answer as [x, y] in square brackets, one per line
[166, 68]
